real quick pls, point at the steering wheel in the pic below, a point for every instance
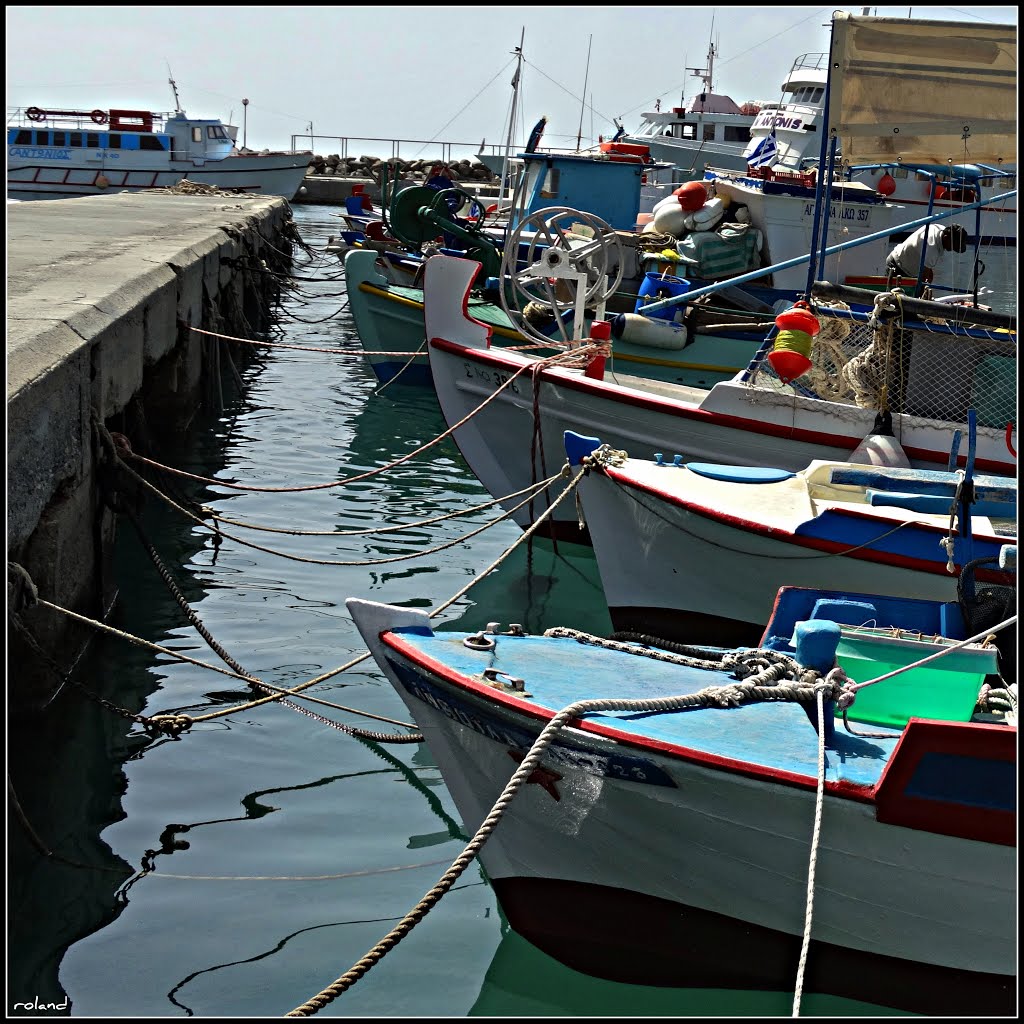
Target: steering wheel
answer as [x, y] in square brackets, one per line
[569, 260]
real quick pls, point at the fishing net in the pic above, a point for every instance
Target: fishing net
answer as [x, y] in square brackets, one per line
[929, 369]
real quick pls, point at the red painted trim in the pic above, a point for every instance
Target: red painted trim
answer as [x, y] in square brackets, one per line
[986, 742]
[529, 710]
[496, 357]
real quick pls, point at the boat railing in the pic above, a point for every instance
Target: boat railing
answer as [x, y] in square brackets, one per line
[351, 146]
[97, 119]
[810, 62]
[803, 109]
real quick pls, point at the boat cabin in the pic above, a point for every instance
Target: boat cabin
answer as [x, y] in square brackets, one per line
[796, 119]
[710, 118]
[607, 188]
[178, 136]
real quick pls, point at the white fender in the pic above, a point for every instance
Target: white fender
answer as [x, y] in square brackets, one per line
[645, 330]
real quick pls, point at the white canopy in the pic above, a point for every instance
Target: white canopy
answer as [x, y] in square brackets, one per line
[922, 91]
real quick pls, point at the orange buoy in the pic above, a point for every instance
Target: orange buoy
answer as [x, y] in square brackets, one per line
[790, 356]
[692, 196]
[798, 318]
[886, 184]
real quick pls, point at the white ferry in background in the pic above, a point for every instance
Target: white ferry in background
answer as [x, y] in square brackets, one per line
[712, 130]
[778, 180]
[60, 154]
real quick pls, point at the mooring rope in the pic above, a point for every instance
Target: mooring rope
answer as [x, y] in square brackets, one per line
[176, 724]
[119, 442]
[569, 357]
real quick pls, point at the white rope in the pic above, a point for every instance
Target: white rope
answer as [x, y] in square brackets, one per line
[815, 841]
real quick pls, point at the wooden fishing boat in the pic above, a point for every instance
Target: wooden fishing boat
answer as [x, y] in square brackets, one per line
[702, 816]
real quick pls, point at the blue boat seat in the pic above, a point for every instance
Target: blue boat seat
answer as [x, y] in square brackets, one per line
[740, 474]
[939, 504]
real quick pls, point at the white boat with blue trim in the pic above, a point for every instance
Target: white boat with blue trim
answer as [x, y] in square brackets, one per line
[696, 551]
[61, 154]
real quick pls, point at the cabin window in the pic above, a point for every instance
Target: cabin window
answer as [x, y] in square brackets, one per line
[899, 172]
[734, 133]
[114, 141]
[215, 131]
[709, 133]
[42, 138]
[75, 139]
[689, 131]
[150, 142]
[549, 190]
[808, 94]
[23, 138]
[197, 134]
[92, 140]
[60, 138]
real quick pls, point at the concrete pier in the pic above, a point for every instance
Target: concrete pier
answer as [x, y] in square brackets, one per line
[101, 294]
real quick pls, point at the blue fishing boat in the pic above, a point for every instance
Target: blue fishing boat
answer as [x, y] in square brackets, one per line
[831, 811]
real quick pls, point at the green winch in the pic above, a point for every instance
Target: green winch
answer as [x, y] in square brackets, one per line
[418, 213]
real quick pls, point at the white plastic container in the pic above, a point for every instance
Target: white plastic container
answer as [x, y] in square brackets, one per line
[637, 329]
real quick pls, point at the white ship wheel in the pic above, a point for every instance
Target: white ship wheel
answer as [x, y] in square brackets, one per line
[560, 259]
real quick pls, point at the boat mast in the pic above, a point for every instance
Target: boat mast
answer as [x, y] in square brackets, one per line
[505, 165]
[174, 89]
[706, 75]
[586, 75]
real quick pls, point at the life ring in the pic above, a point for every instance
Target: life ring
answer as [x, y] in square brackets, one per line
[1009, 444]
[35, 114]
[99, 116]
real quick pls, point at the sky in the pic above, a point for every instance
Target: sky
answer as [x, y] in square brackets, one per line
[419, 74]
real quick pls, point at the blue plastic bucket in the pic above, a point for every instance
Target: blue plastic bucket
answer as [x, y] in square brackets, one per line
[657, 286]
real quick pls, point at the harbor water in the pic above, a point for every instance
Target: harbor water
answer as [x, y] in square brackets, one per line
[238, 869]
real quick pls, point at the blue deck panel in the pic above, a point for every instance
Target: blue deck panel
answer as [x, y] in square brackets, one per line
[559, 671]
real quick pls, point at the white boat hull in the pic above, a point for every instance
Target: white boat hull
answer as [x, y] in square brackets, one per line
[278, 174]
[708, 569]
[730, 423]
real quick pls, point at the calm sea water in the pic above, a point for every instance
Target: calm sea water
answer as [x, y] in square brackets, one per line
[282, 850]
